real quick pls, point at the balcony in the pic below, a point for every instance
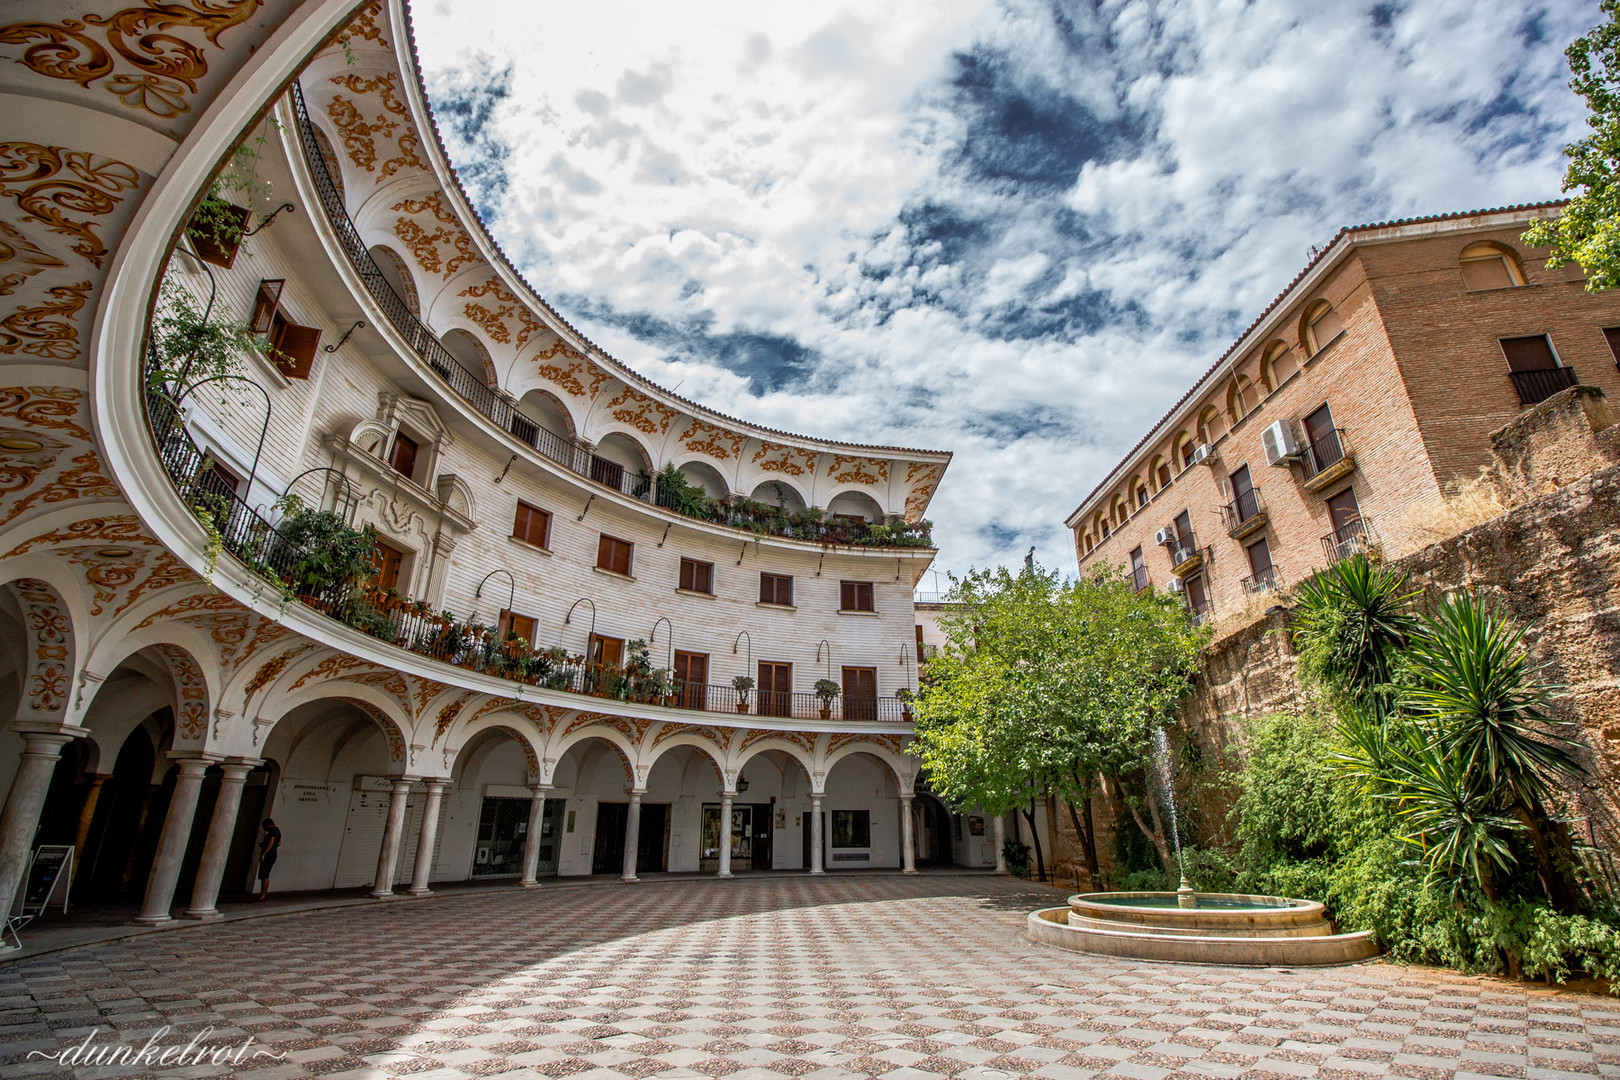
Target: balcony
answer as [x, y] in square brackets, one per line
[1535, 387]
[1139, 579]
[435, 635]
[1185, 558]
[1261, 581]
[1326, 459]
[1352, 538]
[741, 514]
[1245, 515]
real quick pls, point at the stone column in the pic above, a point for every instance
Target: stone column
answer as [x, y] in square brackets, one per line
[221, 829]
[725, 835]
[389, 855]
[426, 837]
[171, 849]
[632, 836]
[998, 832]
[908, 838]
[24, 803]
[816, 855]
[87, 816]
[531, 842]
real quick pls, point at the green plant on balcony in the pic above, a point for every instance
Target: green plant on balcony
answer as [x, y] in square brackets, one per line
[827, 691]
[743, 684]
[193, 347]
[335, 562]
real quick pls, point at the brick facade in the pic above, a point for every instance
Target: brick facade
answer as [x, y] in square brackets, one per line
[1415, 383]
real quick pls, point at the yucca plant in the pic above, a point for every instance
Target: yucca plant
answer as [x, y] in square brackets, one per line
[1351, 621]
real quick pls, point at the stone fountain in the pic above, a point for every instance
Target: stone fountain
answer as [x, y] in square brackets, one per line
[1198, 928]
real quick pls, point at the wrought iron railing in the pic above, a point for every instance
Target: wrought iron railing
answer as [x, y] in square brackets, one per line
[1185, 549]
[1351, 538]
[1139, 579]
[499, 409]
[1322, 453]
[1535, 387]
[1242, 510]
[1261, 580]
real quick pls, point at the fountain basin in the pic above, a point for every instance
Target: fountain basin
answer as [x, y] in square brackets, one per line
[1225, 928]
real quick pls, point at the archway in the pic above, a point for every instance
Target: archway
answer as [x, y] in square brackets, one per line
[545, 408]
[620, 462]
[471, 354]
[776, 493]
[484, 828]
[682, 785]
[855, 505]
[398, 276]
[862, 808]
[591, 782]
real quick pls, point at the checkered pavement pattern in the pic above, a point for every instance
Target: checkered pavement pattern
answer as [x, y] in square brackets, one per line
[860, 976]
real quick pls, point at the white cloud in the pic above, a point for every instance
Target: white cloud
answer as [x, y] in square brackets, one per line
[1013, 230]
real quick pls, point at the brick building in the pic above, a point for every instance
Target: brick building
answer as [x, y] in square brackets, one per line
[1350, 408]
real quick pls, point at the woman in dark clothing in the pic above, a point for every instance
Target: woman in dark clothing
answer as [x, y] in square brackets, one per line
[268, 847]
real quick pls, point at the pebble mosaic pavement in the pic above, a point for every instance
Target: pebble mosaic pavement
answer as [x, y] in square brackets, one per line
[768, 977]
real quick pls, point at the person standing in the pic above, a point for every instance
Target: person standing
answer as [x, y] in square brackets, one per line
[268, 848]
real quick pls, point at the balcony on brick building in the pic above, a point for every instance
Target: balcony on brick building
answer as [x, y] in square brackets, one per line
[1327, 458]
[1537, 386]
[1245, 515]
[1351, 538]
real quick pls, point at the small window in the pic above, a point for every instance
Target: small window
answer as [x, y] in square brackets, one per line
[388, 560]
[697, 576]
[1611, 334]
[1321, 326]
[851, 828]
[1141, 496]
[776, 589]
[513, 623]
[1259, 557]
[613, 555]
[291, 346]
[402, 458]
[1486, 266]
[919, 637]
[532, 525]
[855, 596]
[1164, 474]
[1533, 353]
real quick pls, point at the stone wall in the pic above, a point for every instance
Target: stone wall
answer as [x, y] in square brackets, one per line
[1552, 562]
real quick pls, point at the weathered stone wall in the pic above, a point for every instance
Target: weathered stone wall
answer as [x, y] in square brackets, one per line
[1553, 564]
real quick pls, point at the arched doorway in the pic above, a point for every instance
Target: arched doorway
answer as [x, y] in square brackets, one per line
[592, 780]
[486, 821]
[862, 814]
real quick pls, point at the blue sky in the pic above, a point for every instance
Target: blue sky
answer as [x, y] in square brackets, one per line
[1009, 229]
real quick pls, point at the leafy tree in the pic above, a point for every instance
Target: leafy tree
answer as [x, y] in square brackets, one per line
[1046, 687]
[1588, 229]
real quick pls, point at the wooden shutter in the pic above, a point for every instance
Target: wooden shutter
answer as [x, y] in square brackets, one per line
[691, 679]
[388, 560]
[855, 596]
[1487, 273]
[522, 625]
[1259, 557]
[266, 303]
[1318, 425]
[294, 347]
[613, 555]
[775, 689]
[532, 525]
[402, 458]
[1529, 353]
[697, 576]
[776, 589]
[860, 693]
[1612, 336]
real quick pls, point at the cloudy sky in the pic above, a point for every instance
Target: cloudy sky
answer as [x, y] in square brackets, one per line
[1014, 230]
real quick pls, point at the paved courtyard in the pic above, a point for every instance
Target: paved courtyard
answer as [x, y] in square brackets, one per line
[764, 977]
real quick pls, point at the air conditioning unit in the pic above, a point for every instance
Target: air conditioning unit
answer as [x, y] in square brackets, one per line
[1181, 556]
[1177, 585]
[1279, 444]
[1203, 454]
[1166, 536]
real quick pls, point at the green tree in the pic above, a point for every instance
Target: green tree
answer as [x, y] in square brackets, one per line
[1588, 229]
[1048, 688]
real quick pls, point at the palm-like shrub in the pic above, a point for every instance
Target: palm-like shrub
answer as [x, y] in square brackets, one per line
[1351, 622]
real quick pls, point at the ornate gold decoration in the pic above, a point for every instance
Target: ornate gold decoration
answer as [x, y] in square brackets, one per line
[167, 571]
[890, 742]
[201, 601]
[716, 442]
[926, 477]
[566, 378]
[32, 175]
[265, 633]
[273, 667]
[426, 691]
[17, 248]
[805, 740]
[858, 470]
[702, 731]
[106, 576]
[364, 25]
[53, 407]
[331, 667]
[432, 202]
[507, 306]
[641, 412]
[51, 637]
[359, 133]
[448, 714]
[46, 330]
[123, 528]
[191, 711]
[168, 66]
[83, 480]
[785, 459]
[425, 246]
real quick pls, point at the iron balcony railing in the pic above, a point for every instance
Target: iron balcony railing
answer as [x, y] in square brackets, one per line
[1325, 452]
[1261, 580]
[1139, 579]
[1351, 538]
[1185, 549]
[1535, 387]
[503, 413]
[1242, 510]
[394, 620]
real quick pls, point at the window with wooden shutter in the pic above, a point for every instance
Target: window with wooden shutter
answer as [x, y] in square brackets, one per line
[402, 458]
[292, 347]
[217, 235]
[775, 689]
[513, 623]
[860, 693]
[855, 596]
[1534, 353]
[532, 525]
[266, 303]
[388, 560]
[776, 589]
[1611, 334]
[613, 555]
[697, 576]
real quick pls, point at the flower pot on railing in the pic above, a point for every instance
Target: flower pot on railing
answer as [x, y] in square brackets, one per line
[826, 712]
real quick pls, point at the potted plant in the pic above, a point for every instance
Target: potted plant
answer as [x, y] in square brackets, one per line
[742, 684]
[905, 696]
[827, 690]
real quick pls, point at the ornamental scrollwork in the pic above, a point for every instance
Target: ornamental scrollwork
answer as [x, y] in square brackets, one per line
[51, 182]
[46, 330]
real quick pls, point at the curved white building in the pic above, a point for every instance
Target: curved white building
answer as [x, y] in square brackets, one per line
[178, 667]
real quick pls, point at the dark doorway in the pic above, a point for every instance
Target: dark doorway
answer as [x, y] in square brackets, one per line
[550, 829]
[245, 840]
[502, 827]
[652, 842]
[114, 852]
[933, 832]
[759, 855]
[608, 856]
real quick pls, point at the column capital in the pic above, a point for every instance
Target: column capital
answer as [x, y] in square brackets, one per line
[44, 735]
[540, 789]
[194, 762]
[403, 784]
[242, 759]
[437, 786]
[636, 793]
[235, 770]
